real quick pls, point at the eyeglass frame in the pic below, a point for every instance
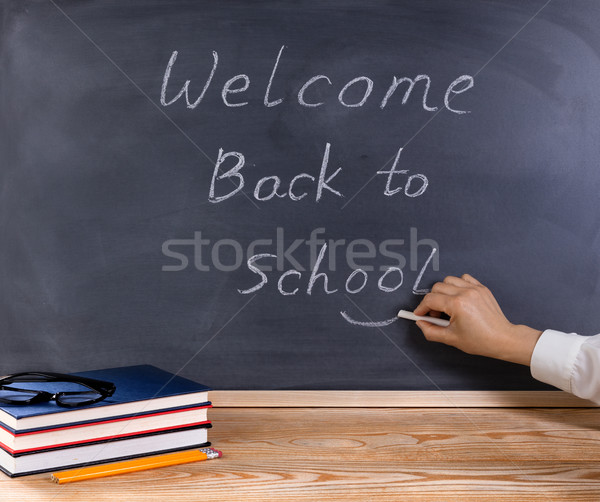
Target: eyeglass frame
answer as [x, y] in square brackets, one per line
[105, 389]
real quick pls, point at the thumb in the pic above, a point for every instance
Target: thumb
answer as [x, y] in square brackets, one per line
[432, 332]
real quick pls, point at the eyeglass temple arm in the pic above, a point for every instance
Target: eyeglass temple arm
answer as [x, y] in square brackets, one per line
[107, 387]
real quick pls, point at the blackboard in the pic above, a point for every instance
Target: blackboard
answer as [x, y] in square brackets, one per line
[126, 232]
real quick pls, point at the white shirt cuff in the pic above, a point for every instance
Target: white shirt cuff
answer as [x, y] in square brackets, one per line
[553, 358]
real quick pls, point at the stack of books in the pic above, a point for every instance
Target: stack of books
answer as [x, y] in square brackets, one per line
[152, 411]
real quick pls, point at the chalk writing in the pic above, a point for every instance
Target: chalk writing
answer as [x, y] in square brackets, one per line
[320, 272]
[268, 187]
[460, 85]
[314, 91]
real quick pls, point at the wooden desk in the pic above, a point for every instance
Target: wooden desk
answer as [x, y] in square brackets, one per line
[315, 454]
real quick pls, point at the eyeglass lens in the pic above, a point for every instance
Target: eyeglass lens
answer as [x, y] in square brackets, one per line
[78, 398]
[17, 396]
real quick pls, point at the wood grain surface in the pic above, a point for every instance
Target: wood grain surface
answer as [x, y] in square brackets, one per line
[366, 454]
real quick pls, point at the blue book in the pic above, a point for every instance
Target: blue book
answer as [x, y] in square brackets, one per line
[139, 390]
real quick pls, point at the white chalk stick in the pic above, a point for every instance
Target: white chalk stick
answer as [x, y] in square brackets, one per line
[405, 314]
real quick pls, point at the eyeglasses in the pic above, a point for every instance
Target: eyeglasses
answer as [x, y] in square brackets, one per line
[92, 391]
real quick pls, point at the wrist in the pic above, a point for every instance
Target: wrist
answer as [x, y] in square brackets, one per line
[522, 341]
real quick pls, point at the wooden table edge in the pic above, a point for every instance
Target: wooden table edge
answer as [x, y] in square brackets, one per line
[394, 399]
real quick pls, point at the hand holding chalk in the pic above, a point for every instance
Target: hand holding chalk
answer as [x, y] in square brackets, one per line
[405, 314]
[478, 324]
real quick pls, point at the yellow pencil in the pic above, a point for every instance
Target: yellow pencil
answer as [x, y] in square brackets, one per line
[139, 464]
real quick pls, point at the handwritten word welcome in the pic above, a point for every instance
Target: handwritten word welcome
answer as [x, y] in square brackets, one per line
[315, 85]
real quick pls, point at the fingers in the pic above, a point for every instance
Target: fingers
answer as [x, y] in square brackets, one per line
[435, 333]
[456, 281]
[471, 279]
[483, 290]
[440, 298]
[465, 280]
[434, 301]
[446, 289]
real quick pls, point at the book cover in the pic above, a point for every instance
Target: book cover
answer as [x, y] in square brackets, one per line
[113, 418]
[139, 389]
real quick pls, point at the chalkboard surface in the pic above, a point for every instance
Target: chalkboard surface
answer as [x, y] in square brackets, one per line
[247, 192]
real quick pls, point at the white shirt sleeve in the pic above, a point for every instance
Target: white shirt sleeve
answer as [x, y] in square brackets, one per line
[568, 361]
